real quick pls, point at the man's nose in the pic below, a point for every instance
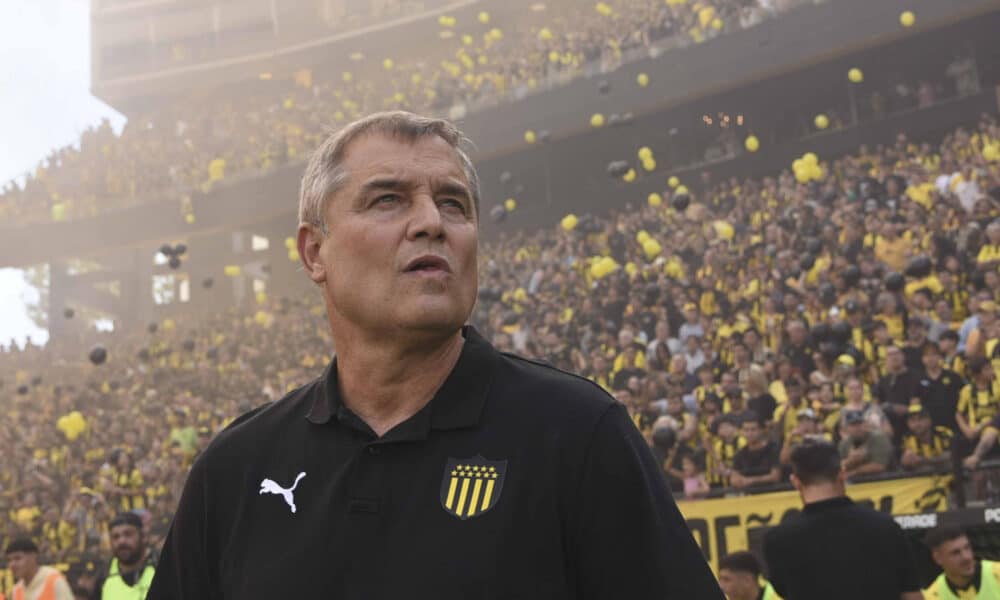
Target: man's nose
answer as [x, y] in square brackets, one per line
[425, 218]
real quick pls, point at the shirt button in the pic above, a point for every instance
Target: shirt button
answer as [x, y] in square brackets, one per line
[374, 450]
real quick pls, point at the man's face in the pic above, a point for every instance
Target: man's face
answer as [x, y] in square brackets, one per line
[918, 424]
[737, 585]
[956, 558]
[22, 563]
[401, 201]
[752, 431]
[894, 359]
[931, 360]
[126, 543]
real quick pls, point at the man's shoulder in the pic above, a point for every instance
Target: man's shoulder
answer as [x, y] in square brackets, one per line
[248, 427]
[542, 388]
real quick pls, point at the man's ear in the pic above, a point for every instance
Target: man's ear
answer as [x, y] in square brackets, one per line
[796, 481]
[310, 239]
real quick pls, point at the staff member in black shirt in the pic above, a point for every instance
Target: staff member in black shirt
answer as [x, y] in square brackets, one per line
[423, 463]
[836, 549]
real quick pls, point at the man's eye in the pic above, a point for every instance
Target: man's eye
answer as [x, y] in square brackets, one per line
[386, 199]
[453, 203]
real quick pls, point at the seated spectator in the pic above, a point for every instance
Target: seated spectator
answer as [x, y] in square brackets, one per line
[854, 400]
[756, 463]
[978, 402]
[926, 445]
[863, 451]
[987, 446]
[808, 426]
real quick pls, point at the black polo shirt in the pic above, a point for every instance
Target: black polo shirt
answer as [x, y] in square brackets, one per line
[516, 480]
[940, 397]
[836, 549]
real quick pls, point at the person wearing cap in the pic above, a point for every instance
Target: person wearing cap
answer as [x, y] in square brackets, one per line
[808, 426]
[963, 576]
[916, 339]
[925, 445]
[835, 548]
[130, 573]
[978, 401]
[864, 451]
[422, 463]
[939, 388]
[34, 582]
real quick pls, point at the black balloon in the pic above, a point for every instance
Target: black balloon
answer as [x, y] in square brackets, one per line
[498, 214]
[618, 168]
[680, 202]
[180, 249]
[807, 262]
[22, 389]
[152, 327]
[894, 282]
[265, 268]
[603, 86]
[68, 313]
[36, 380]
[166, 250]
[841, 332]
[188, 345]
[174, 262]
[98, 355]
[664, 438]
[212, 354]
[207, 282]
[820, 332]
[143, 354]
[919, 267]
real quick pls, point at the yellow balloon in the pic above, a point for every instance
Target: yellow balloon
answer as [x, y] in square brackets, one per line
[59, 212]
[569, 222]
[680, 190]
[484, 17]
[752, 144]
[717, 24]
[642, 236]
[673, 181]
[654, 200]
[603, 9]
[642, 79]
[651, 248]
[261, 297]
[232, 270]
[816, 172]
[855, 75]
[168, 324]
[810, 158]
[347, 77]
[724, 230]
[293, 255]
[529, 136]
[907, 18]
[388, 64]
[802, 175]
[645, 153]
[630, 176]
[189, 219]
[821, 122]
[553, 56]
[631, 268]
[289, 243]
[597, 120]
[649, 164]
[545, 34]
[510, 204]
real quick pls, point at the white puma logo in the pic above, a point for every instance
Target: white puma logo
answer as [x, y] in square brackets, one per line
[271, 487]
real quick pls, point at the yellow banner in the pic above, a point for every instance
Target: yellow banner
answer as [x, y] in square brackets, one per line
[720, 526]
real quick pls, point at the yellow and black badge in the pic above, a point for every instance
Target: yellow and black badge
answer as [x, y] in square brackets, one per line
[471, 486]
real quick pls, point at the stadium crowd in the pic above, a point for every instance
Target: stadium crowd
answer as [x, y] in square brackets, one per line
[194, 142]
[733, 322]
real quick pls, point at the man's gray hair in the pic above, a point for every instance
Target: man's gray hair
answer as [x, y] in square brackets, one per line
[325, 173]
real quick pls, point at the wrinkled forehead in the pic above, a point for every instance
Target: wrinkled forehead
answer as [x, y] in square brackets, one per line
[416, 161]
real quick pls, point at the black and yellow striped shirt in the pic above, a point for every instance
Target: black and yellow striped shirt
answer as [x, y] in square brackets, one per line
[939, 443]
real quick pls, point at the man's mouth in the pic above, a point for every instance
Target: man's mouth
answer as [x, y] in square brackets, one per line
[428, 263]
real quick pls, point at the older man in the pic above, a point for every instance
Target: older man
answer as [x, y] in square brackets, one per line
[422, 463]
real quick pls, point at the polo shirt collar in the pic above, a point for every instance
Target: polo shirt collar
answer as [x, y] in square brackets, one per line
[828, 504]
[457, 404]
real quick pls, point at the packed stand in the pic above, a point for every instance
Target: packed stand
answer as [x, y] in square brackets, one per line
[860, 307]
[197, 141]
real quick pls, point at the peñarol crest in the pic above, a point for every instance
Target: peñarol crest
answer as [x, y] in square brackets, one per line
[471, 486]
